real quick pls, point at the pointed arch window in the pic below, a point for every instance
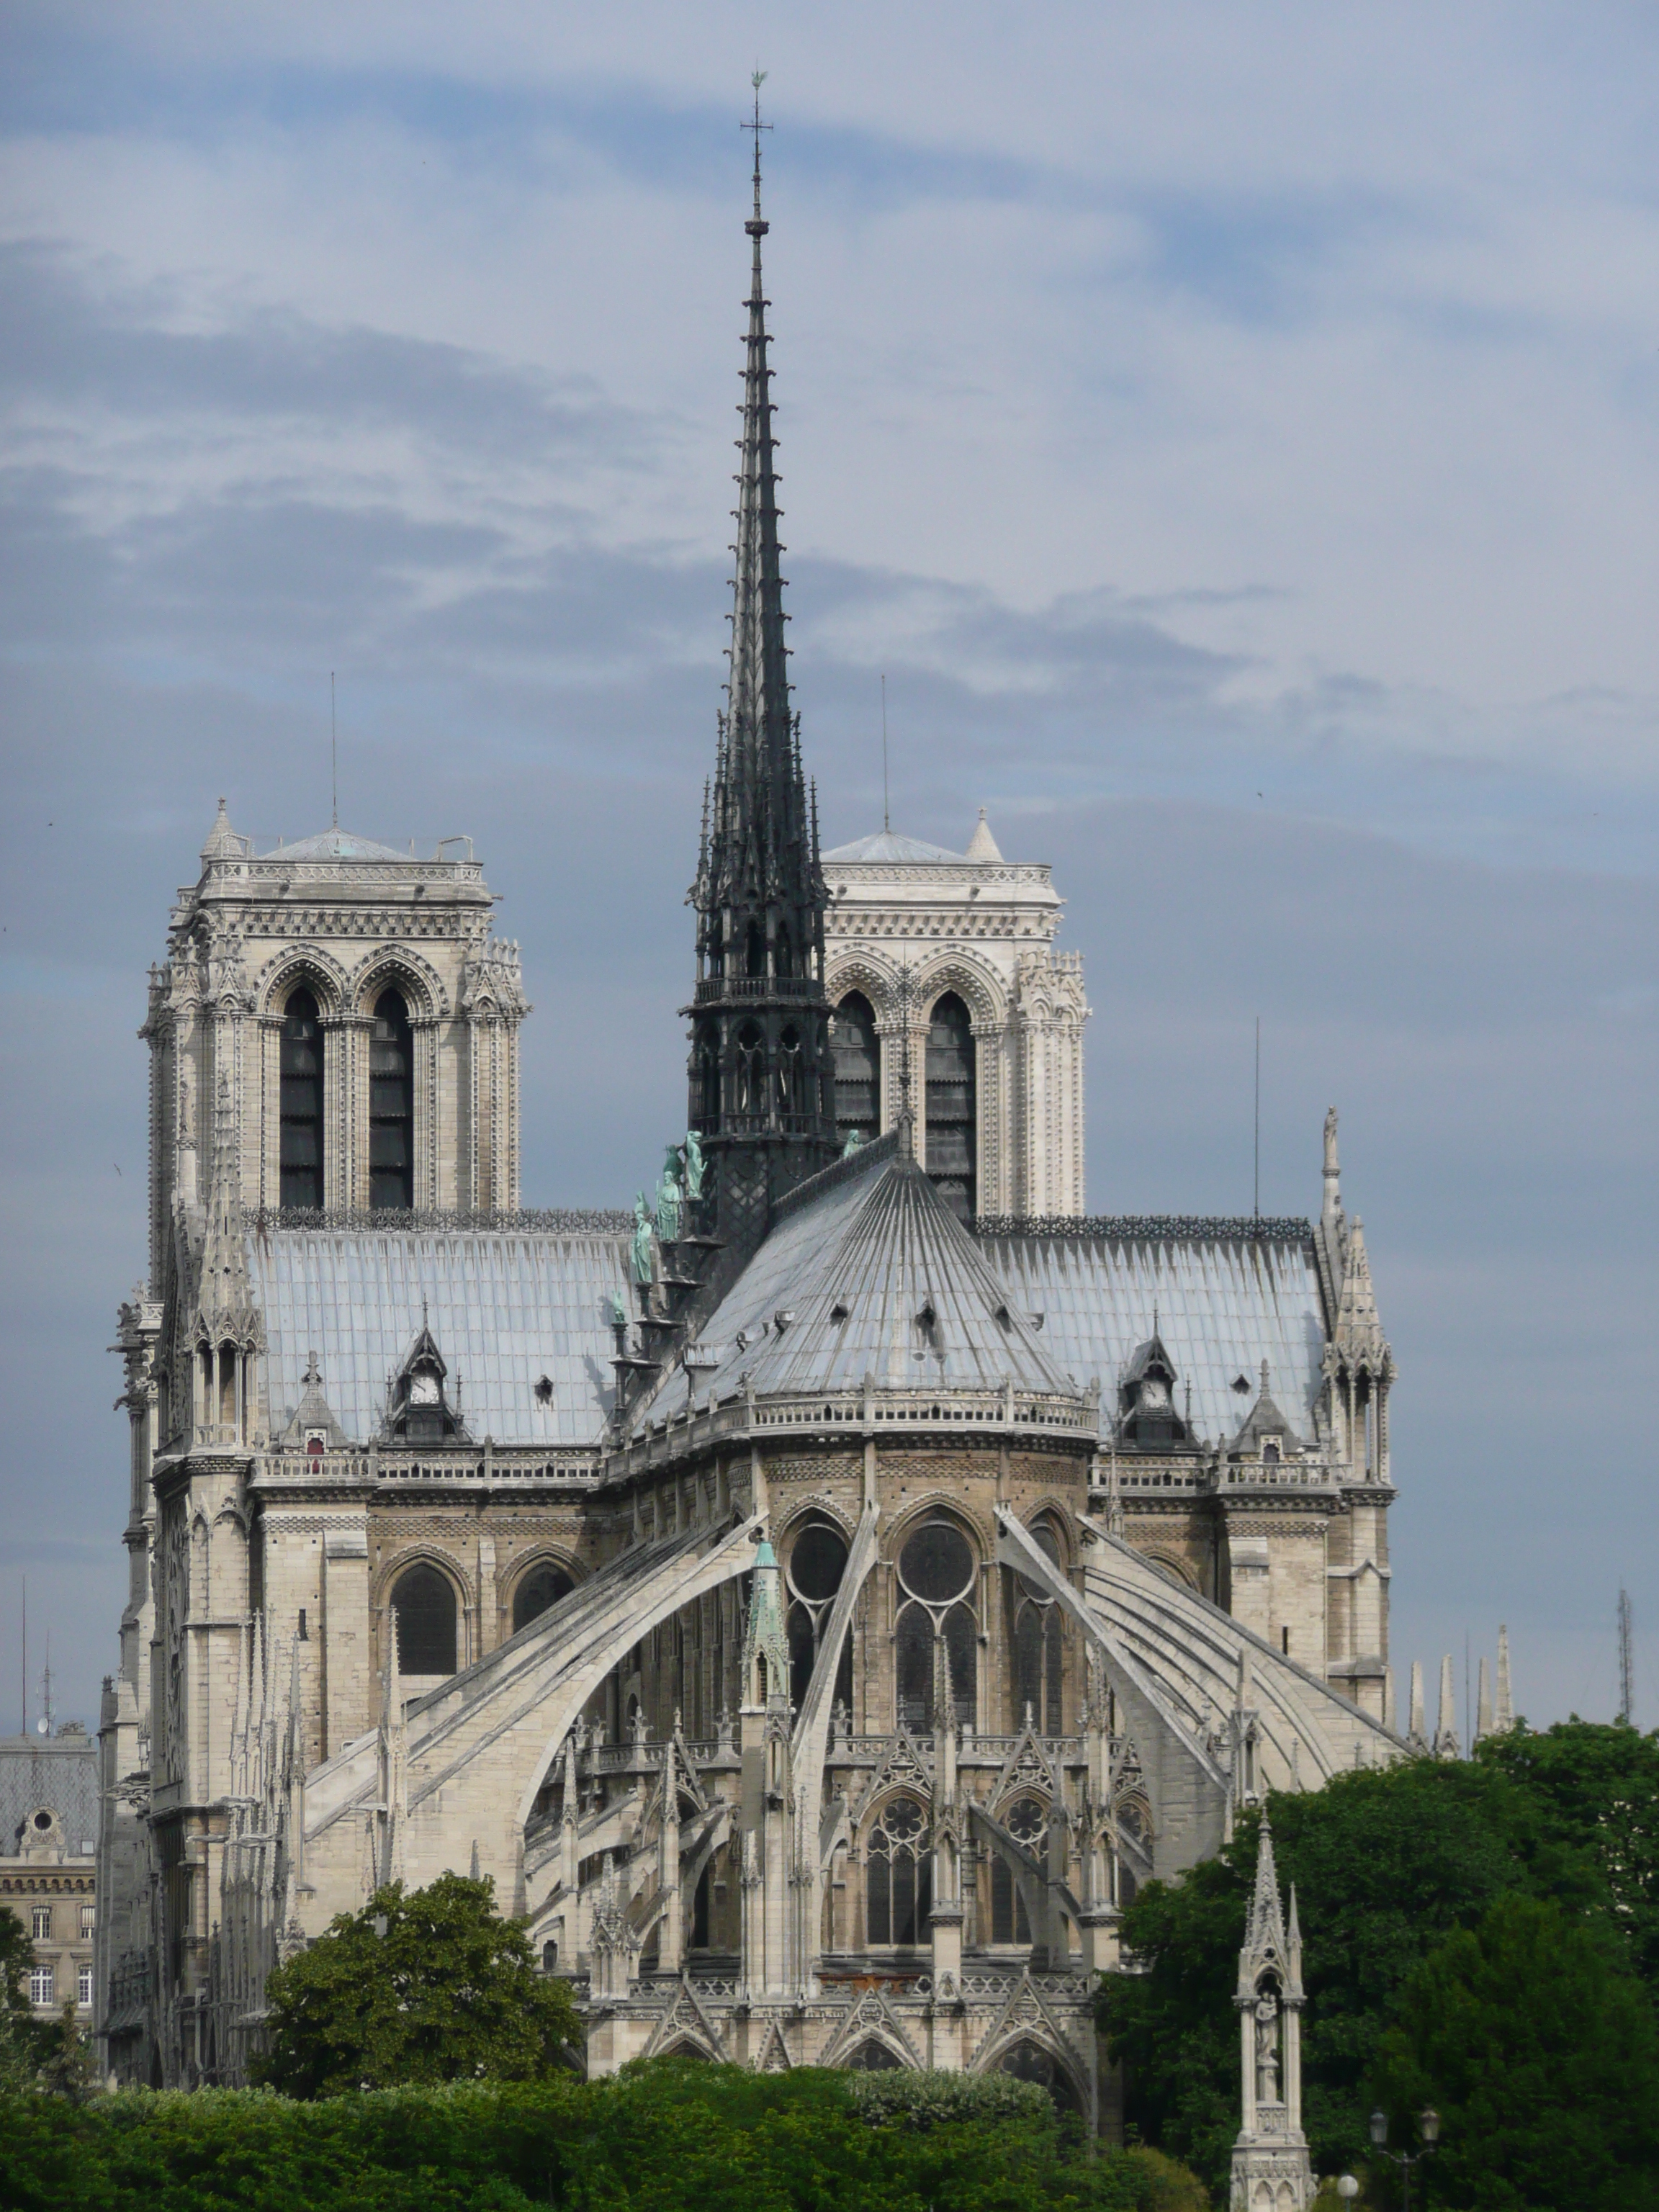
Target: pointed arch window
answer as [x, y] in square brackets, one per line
[391, 1104]
[898, 1877]
[544, 1586]
[857, 1051]
[791, 1077]
[952, 1106]
[1026, 1819]
[300, 1143]
[1039, 1644]
[936, 1574]
[423, 1609]
[817, 1560]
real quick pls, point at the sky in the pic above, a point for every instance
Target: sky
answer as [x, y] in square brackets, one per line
[1234, 433]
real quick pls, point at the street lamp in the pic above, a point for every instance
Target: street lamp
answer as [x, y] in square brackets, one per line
[1346, 2188]
[1428, 2126]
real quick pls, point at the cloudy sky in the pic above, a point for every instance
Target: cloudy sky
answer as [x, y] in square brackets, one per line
[1233, 430]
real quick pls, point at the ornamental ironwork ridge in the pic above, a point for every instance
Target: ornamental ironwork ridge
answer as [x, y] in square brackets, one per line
[554, 1220]
[1153, 1228]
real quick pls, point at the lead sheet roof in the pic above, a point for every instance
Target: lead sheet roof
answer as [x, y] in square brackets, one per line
[1222, 1305]
[877, 1248]
[506, 1307]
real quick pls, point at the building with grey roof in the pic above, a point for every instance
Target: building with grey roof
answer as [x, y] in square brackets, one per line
[816, 1597]
[48, 1868]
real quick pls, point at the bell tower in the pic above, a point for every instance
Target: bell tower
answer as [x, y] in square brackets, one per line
[761, 1076]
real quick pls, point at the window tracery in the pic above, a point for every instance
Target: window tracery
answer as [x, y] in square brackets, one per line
[937, 1572]
[1039, 1646]
[898, 1877]
[817, 1560]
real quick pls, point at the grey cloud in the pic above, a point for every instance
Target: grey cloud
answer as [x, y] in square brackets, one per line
[66, 338]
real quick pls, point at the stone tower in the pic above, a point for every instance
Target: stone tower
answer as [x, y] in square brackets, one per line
[762, 1078]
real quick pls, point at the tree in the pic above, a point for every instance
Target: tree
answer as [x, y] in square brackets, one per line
[66, 2068]
[1597, 1790]
[1386, 1862]
[1538, 2049]
[448, 1992]
[20, 2033]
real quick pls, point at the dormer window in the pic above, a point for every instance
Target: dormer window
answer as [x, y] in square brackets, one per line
[1270, 1453]
[420, 1411]
[1148, 1416]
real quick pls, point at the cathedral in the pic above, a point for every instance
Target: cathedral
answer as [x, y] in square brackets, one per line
[817, 1593]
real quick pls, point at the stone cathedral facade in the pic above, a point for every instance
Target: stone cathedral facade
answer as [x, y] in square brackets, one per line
[817, 1598]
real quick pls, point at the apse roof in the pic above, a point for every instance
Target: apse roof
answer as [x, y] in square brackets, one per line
[876, 1277]
[505, 1307]
[1222, 1298]
[888, 845]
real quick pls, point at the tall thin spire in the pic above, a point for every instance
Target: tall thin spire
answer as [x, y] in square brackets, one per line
[762, 1083]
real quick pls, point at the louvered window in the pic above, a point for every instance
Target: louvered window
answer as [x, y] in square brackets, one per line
[391, 1104]
[857, 1051]
[952, 1106]
[301, 1077]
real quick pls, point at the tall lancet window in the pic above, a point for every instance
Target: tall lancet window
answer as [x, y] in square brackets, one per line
[391, 1104]
[952, 1106]
[936, 1574]
[857, 1050]
[302, 1141]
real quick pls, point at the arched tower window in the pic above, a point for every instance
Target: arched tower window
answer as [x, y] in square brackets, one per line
[857, 1051]
[302, 1140]
[391, 1104]
[952, 1106]
[542, 1587]
[791, 1078]
[755, 949]
[1039, 1648]
[936, 1573]
[898, 1877]
[817, 1560]
[423, 1610]
[751, 1071]
[706, 1090]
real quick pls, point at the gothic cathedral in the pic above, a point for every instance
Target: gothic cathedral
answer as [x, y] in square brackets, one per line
[816, 1597]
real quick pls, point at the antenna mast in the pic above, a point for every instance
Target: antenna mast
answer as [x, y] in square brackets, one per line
[1627, 1660]
[333, 755]
[1256, 1205]
[886, 814]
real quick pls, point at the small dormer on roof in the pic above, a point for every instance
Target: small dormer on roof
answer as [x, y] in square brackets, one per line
[1265, 1433]
[313, 1428]
[1146, 1408]
[418, 1408]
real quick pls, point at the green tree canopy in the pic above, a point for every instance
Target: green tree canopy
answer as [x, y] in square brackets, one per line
[449, 1992]
[1539, 2051]
[1387, 1863]
[20, 2035]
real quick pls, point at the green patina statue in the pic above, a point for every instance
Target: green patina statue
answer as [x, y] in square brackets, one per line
[668, 1204]
[640, 1258]
[693, 1165]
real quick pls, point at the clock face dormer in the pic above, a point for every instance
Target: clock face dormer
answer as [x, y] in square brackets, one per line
[420, 1409]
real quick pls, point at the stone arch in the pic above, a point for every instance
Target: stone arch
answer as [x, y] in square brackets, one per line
[1036, 2038]
[298, 965]
[539, 1556]
[857, 969]
[875, 2053]
[422, 1554]
[1178, 1570]
[974, 982]
[914, 1510]
[398, 968]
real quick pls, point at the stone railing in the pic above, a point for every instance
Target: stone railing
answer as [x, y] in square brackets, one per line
[491, 1466]
[864, 1412]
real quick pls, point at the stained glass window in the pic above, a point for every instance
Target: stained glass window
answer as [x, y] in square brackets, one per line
[542, 1587]
[423, 1605]
[898, 1877]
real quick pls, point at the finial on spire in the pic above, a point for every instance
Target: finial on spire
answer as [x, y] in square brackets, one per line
[756, 226]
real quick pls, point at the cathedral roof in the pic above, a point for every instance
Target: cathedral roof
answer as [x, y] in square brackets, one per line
[510, 1308]
[1224, 1298]
[873, 1277]
[888, 845]
[336, 844]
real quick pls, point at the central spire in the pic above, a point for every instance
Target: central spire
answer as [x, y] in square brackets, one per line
[762, 1090]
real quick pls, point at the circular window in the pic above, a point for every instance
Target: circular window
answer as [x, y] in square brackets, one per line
[818, 1562]
[902, 1820]
[43, 1822]
[1026, 1819]
[936, 1564]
